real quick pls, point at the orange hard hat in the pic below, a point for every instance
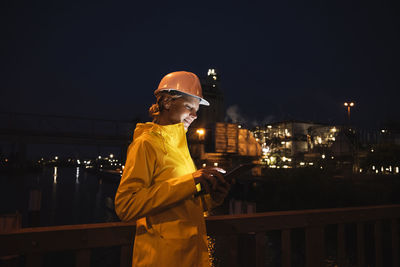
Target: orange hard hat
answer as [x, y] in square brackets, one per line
[182, 81]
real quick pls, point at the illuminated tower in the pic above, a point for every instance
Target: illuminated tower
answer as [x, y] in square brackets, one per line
[209, 115]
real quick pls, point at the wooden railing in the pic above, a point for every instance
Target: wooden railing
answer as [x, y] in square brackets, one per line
[34, 242]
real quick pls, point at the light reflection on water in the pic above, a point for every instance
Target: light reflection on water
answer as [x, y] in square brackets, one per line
[68, 196]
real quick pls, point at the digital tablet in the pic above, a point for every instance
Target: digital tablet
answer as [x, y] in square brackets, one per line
[238, 171]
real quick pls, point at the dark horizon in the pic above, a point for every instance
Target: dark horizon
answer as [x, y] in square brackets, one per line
[276, 61]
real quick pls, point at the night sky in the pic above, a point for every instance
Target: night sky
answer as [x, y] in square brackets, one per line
[276, 60]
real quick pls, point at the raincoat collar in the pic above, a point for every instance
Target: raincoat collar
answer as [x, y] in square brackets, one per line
[172, 134]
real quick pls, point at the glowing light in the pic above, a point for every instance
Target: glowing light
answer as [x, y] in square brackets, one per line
[99, 157]
[216, 164]
[373, 167]
[77, 172]
[283, 142]
[211, 72]
[78, 161]
[332, 157]
[333, 130]
[376, 171]
[302, 163]
[397, 169]
[311, 163]
[382, 169]
[321, 167]
[323, 156]
[269, 126]
[372, 150]
[390, 168]
[285, 166]
[6, 160]
[361, 170]
[239, 126]
[56, 158]
[55, 175]
[204, 165]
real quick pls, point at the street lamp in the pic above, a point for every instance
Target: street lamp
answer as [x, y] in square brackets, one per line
[349, 105]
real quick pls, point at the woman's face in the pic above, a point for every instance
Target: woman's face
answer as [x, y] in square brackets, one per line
[183, 109]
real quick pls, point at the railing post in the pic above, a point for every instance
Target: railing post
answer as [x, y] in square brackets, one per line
[360, 245]
[395, 243]
[34, 260]
[126, 256]
[286, 248]
[341, 249]
[233, 252]
[315, 247]
[260, 249]
[82, 258]
[378, 243]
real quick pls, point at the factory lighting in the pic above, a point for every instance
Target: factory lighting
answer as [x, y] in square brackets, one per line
[200, 132]
[372, 150]
[376, 171]
[99, 157]
[56, 157]
[373, 167]
[111, 155]
[204, 165]
[211, 72]
[269, 126]
[311, 163]
[216, 164]
[397, 169]
[302, 163]
[323, 156]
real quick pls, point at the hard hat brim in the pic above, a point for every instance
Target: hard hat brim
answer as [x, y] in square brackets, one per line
[202, 100]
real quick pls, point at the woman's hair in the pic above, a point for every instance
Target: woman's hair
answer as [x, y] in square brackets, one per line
[162, 98]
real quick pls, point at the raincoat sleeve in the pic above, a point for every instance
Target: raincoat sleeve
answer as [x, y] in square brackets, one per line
[137, 196]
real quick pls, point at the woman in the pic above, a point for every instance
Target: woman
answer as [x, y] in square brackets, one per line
[160, 185]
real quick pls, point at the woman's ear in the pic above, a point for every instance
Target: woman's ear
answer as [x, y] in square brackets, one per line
[167, 102]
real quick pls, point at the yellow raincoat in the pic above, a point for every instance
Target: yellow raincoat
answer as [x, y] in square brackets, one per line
[157, 189]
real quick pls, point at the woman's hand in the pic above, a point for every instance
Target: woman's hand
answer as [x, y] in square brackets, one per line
[210, 179]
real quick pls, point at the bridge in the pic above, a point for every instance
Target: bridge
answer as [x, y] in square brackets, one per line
[22, 129]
